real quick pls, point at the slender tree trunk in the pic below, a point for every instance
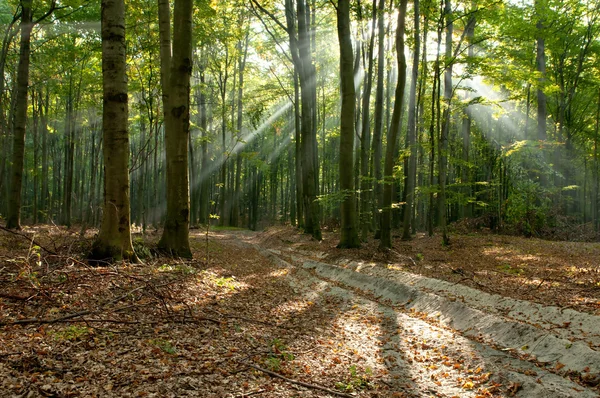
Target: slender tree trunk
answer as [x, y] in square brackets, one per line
[44, 197]
[443, 144]
[540, 61]
[235, 215]
[378, 130]
[20, 123]
[386, 216]
[412, 128]
[175, 237]
[36, 148]
[596, 174]
[365, 144]
[349, 233]
[465, 209]
[204, 175]
[114, 238]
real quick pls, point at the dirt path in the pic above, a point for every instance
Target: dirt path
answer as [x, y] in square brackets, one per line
[434, 338]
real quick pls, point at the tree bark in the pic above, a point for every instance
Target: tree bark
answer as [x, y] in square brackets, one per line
[349, 233]
[386, 216]
[412, 129]
[114, 238]
[14, 201]
[175, 237]
[443, 144]
[376, 146]
[540, 62]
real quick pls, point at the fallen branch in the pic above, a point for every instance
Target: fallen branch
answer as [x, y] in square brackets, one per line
[299, 383]
[30, 321]
[249, 394]
[31, 240]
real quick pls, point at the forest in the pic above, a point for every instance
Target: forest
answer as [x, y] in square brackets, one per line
[228, 186]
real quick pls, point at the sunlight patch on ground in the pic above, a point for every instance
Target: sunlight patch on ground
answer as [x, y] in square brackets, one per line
[279, 273]
[292, 307]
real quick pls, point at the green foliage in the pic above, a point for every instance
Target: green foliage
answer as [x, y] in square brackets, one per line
[278, 355]
[72, 333]
[356, 381]
[527, 207]
[142, 251]
[178, 268]
[164, 345]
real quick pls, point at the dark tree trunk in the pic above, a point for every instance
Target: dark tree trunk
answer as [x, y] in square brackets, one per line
[386, 216]
[349, 233]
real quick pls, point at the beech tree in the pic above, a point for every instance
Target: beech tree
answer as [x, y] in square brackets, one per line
[175, 237]
[113, 242]
[349, 233]
[386, 217]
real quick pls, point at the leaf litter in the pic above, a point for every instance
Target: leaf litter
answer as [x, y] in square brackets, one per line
[190, 328]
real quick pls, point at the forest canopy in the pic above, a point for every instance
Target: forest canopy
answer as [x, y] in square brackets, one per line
[362, 116]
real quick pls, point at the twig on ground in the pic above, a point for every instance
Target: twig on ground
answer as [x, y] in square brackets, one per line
[299, 383]
[30, 321]
[403, 256]
[31, 240]
[249, 394]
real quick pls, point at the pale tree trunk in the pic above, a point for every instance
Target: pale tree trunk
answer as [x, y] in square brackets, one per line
[540, 63]
[378, 130]
[235, 213]
[349, 233]
[365, 144]
[465, 210]
[386, 216]
[412, 129]
[114, 238]
[20, 122]
[44, 131]
[36, 134]
[298, 154]
[204, 176]
[175, 238]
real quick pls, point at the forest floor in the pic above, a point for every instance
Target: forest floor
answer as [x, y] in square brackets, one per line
[277, 314]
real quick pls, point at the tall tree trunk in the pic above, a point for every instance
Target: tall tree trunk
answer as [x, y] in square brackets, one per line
[114, 239]
[175, 237]
[14, 201]
[540, 62]
[349, 233]
[443, 144]
[386, 216]
[465, 209]
[298, 154]
[237, 194]
[204, 175]
[44, 105]
[412, 128]
[378, 130]
[365, 144]
[308, 90]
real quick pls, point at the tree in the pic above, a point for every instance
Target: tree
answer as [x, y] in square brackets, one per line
[349, 233]
[20, 122]
[388, 168]
[175, 237]
[113, 242]
[412, 129]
